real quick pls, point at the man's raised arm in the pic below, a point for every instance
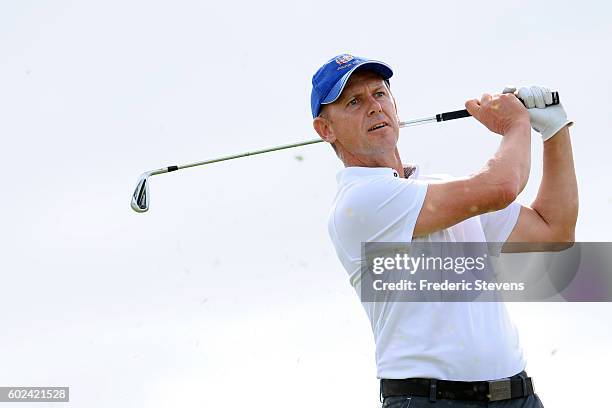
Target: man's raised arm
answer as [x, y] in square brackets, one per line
[496, 185]
[553, 214]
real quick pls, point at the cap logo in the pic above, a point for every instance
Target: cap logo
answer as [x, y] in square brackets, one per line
[343, 59]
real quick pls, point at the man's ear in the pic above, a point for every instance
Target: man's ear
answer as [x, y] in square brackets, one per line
[323, 127]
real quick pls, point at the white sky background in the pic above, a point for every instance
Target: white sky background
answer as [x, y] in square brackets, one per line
[231, 274]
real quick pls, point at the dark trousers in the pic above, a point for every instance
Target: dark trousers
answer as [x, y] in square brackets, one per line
[531, 401]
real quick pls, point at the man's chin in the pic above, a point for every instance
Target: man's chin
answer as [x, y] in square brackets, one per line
[386, 133]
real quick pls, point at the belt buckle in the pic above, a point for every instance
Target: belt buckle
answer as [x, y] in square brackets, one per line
[500, 389]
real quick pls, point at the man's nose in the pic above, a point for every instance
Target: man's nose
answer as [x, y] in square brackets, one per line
[375, 106]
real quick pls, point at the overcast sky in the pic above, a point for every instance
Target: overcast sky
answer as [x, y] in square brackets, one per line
[231, 272]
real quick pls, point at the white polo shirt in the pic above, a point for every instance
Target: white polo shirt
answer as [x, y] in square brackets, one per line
[462, 341]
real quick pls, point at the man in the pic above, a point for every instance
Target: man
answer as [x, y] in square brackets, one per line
[436, 353]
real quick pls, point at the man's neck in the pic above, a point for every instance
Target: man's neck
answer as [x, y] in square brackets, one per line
[388, 161]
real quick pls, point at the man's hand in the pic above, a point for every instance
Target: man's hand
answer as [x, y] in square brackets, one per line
[545, 120]
[499, 113]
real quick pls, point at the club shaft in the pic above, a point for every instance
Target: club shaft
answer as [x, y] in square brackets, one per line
[254, 152]
[440, 117]
[414, 122]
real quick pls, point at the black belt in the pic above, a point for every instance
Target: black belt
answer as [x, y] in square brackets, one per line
[496, 390]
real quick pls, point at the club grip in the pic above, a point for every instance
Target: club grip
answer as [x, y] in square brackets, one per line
[555, 96]
[441, 117]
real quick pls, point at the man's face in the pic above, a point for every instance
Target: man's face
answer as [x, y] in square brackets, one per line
[363, 121]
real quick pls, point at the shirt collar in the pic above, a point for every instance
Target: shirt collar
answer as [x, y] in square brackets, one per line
[349, 174]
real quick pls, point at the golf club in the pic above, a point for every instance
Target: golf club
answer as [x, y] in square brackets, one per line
[141, 199]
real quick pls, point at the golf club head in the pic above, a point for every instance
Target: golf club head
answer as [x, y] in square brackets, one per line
[140, 198]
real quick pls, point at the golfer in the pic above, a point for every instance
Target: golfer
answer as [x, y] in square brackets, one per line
[441, 354]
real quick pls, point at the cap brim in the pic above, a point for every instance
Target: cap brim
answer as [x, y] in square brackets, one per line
[380, 68]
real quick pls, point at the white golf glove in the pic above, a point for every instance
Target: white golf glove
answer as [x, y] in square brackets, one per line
[546, 120]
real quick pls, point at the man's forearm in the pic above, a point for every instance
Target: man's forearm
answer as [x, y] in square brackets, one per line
[557, 199]
[511, 163]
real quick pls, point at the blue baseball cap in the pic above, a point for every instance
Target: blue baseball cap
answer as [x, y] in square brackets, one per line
[329, 81]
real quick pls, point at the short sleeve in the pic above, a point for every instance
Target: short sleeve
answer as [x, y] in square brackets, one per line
[498, 225]
[379, 209]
